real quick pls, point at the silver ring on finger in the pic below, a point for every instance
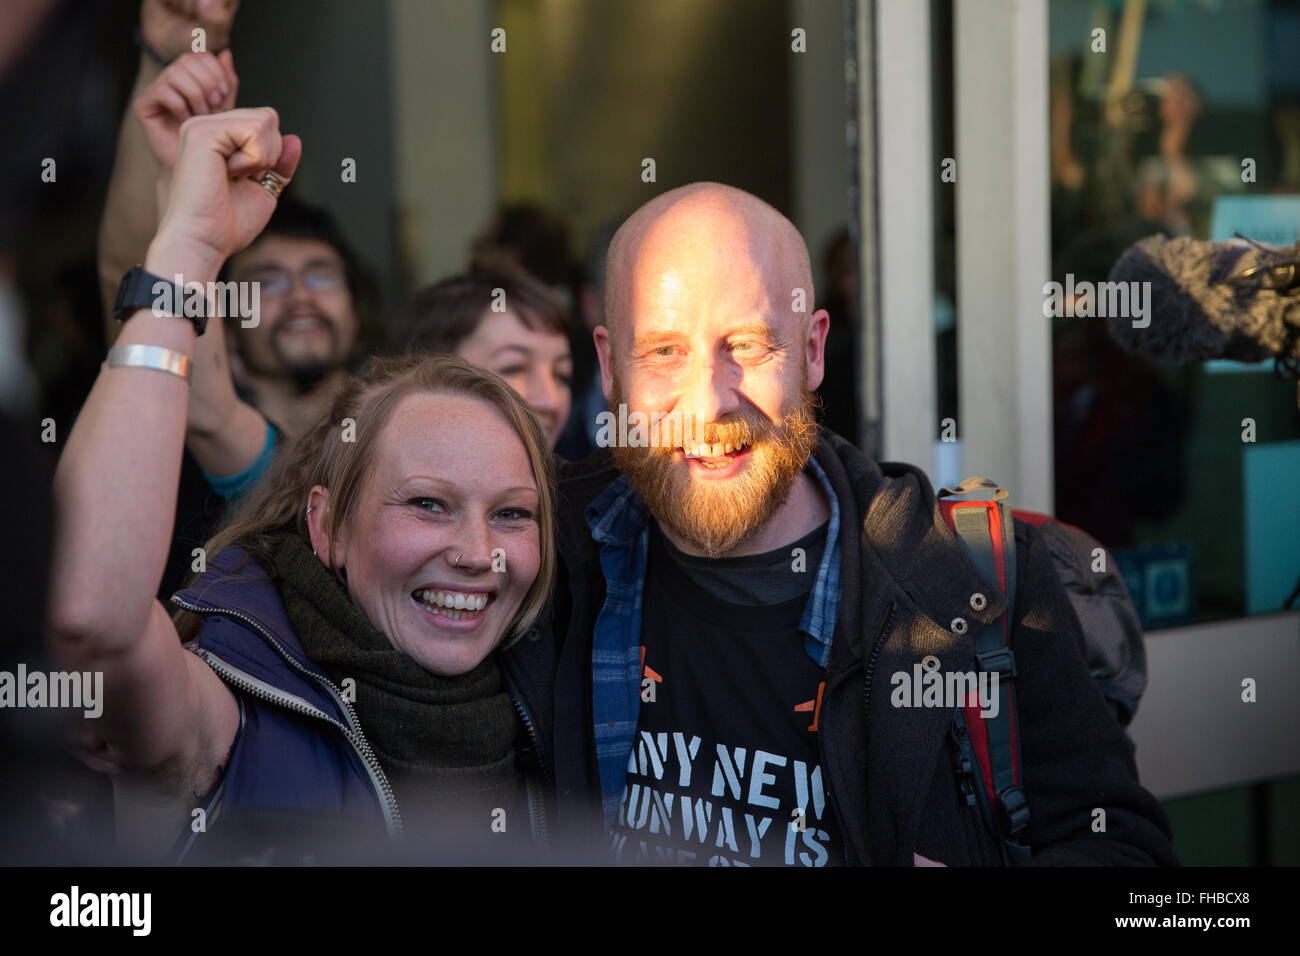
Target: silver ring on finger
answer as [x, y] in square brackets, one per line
[272, 183]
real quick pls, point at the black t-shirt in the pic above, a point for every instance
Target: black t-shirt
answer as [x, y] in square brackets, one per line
[727, 749]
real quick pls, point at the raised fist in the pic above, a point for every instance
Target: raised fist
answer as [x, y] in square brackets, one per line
[196, 84]
[216, 205]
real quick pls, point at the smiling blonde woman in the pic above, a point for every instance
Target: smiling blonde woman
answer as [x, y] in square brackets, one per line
[343, 660]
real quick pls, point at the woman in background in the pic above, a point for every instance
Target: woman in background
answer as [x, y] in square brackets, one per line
[506, 322]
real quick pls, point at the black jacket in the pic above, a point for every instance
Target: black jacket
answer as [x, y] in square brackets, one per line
[890, 771]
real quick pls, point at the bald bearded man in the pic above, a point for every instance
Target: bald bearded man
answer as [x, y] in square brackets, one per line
[734, 605]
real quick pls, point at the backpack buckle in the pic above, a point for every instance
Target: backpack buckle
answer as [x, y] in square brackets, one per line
[966, 781]
[999, 660]
[1013, 810]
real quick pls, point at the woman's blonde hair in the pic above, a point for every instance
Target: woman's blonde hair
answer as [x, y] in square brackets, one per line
[321, 456]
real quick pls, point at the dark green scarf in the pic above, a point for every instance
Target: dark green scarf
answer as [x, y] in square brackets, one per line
[443, 741]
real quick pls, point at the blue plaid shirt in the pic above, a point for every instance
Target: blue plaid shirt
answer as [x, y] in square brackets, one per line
[619, 523]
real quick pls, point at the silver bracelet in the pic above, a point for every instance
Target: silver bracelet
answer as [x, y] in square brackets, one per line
[151, 356]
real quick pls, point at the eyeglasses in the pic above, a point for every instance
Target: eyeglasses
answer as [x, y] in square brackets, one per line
[274, 283]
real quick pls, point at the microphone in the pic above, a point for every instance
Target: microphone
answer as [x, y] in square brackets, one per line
[1235, 300]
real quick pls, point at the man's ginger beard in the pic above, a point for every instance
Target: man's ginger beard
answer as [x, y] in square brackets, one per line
[716, 516]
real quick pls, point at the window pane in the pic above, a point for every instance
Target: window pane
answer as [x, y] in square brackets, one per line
[1187, 473]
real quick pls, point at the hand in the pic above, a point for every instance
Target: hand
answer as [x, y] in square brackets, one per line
[216, 206]
[167, 25]
[197, 84]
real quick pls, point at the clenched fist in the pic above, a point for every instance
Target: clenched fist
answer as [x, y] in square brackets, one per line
[216, 206]
[195, 85]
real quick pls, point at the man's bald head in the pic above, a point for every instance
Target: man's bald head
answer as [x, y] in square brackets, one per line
[697, 223]
[707, 318]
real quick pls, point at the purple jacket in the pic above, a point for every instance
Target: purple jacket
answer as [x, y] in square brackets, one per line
[300, 750]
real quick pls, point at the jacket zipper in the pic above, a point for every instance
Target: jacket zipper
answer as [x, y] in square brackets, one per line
[870, 670]
[353, 734]
[536, 800]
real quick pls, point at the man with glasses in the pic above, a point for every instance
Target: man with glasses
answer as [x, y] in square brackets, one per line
[288, 360]
[291, 360]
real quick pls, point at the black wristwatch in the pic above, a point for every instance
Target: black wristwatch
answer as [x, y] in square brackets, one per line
[137, 292]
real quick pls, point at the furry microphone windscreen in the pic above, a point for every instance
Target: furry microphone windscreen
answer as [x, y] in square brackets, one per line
[1195, 315]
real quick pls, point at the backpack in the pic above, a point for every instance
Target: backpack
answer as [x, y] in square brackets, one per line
[987, 754]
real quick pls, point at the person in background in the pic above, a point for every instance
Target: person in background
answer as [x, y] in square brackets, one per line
[529, 238]
[505, 322]
[314, 294]
[579, 438]
[526, 237]
[839, 389]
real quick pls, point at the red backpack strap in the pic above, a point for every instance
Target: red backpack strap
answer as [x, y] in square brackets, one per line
[987, 534]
